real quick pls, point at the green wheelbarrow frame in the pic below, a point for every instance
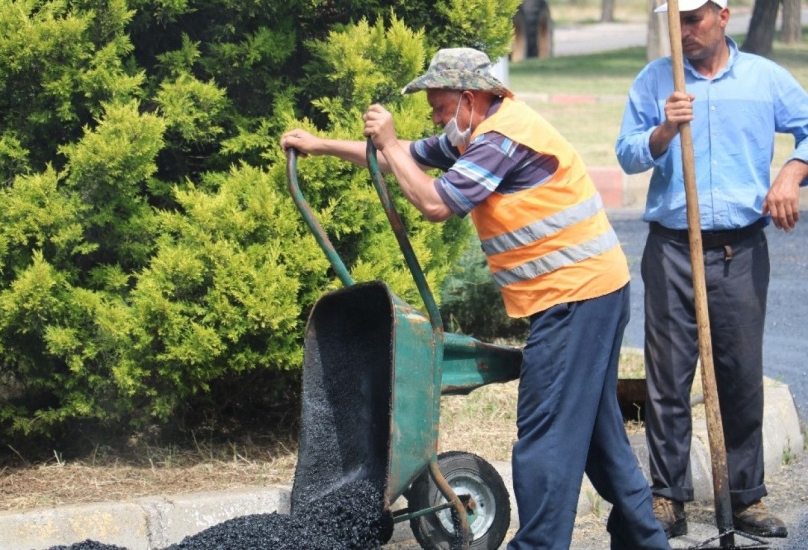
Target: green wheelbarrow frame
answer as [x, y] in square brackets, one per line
[373, 373]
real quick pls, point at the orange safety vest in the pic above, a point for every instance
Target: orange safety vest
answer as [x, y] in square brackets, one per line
[552, 243]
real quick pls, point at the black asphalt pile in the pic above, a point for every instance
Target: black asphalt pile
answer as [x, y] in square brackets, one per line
[88, 545]
[350, 518]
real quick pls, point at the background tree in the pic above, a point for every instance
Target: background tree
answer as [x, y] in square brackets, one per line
[792, 21]
[658, 42]
[607, 11]
[760, 37]
[151, 259]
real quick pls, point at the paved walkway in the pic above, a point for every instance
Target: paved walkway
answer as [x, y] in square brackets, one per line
[601, 37]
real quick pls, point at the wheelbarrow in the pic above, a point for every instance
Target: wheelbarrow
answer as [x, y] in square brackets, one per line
[373, 373]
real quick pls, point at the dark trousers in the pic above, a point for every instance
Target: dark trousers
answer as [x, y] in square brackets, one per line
[569, 423]
[737, 281]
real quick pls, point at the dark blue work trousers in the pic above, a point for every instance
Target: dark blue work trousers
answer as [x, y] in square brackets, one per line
[569, 423]
[737, 282]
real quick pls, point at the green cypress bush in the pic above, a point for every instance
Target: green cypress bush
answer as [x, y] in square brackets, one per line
[149, 250]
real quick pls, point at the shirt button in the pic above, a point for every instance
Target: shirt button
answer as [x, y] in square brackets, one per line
[712, 107]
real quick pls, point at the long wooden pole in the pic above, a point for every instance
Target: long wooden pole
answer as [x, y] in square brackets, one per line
[715, 429]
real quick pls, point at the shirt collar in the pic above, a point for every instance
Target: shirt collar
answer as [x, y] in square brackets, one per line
[495, 105]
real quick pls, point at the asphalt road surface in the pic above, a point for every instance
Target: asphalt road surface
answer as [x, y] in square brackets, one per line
[785, 339]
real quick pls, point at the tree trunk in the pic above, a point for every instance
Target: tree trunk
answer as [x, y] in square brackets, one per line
[658, 43]
[607, 11]
[792, 21]
[760, 37]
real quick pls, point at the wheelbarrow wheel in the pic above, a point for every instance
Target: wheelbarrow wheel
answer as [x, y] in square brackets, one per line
[467, 474]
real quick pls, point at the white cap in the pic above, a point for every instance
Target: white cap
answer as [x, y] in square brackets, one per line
[690, 5]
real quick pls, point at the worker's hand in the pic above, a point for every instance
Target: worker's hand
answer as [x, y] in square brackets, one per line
[379, 127]
[304, 142]
[783, 199]
[678, 109]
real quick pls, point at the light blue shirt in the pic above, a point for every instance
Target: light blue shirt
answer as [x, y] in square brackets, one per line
[736, 115]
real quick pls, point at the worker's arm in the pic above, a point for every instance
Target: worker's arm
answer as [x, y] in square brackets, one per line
[417, 186]
[783, 199]
[351, 151]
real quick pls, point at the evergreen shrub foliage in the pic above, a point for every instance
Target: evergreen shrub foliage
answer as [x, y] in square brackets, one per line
[149, 249]
[472, 304]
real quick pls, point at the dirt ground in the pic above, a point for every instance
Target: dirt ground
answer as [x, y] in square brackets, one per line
[124, 474]
[787, 499]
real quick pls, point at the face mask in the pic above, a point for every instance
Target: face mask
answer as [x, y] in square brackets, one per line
[455, 136]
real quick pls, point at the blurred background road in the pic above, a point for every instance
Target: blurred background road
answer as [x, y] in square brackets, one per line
[600, 37]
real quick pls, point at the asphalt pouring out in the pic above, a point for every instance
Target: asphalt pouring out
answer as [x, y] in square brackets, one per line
[349, 518]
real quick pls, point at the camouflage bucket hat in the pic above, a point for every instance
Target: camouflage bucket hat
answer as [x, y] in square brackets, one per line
[458, 69]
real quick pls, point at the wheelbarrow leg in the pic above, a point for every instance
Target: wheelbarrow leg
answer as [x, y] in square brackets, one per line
[450, 496]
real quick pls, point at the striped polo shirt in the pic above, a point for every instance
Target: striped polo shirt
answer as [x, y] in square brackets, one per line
[491, 163]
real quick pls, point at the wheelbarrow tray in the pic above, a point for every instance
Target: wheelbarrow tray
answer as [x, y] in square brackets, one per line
[368, 394]
[373, 373]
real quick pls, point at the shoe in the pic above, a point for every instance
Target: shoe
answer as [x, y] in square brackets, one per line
[756, 519]
[671, 515]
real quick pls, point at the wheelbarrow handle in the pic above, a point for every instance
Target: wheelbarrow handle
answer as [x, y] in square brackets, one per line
[403, 240]
[308, 216]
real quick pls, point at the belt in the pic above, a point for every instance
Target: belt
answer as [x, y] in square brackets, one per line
[711, 239]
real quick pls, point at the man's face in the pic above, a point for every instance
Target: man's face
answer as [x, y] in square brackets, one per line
[703, 31]
[444, 105]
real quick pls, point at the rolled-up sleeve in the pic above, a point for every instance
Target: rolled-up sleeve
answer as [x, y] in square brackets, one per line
[633, 150]
[641, 117]
[791, 113]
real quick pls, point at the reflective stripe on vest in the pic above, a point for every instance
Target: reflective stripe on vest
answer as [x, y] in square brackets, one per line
[543, 228]
[556, 260]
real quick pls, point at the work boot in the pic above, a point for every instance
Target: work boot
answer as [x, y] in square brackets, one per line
[756, 519]
[671, 515]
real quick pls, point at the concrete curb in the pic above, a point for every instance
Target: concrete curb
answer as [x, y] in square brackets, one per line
[141, 524]
[156, 522]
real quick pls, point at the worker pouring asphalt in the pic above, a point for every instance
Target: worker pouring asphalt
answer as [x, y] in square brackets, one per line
[557, 262]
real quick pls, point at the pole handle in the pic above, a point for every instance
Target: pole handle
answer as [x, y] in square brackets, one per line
[715, 430]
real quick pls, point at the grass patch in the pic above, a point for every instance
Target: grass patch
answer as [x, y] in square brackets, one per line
[591, 128]
[609, 73]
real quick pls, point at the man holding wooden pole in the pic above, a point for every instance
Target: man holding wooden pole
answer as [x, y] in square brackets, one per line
[735, 102]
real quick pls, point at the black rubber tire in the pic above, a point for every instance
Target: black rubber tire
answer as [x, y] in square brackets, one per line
[466, 473]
